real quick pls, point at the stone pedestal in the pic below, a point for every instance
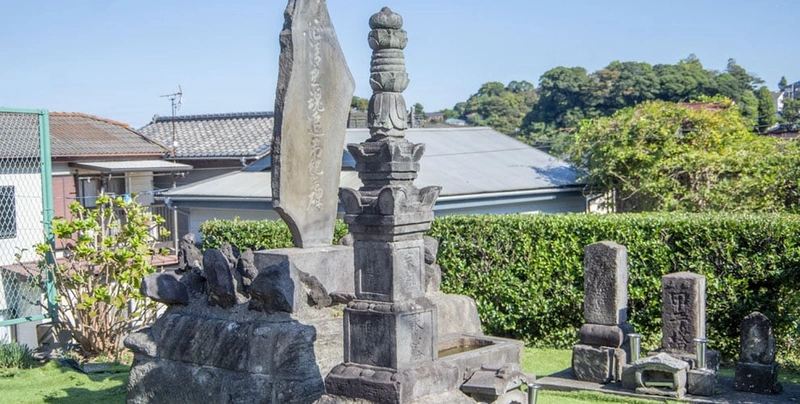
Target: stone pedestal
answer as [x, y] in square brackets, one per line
[757, 378]
[597, 364]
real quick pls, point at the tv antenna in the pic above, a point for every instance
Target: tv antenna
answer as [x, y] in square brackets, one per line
[176, 99]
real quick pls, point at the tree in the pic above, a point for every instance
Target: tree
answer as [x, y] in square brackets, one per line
[684, 81]
[783, 83]
[791, 113]
[359, 104]
[666, 156]
[98, 283]
[767, 113]
[564, 98]
[498, 106]
[419, 110]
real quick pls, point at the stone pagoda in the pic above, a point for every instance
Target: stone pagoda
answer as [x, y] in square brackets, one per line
[390, 330]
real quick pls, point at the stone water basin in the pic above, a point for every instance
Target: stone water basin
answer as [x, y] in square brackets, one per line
[470, 352]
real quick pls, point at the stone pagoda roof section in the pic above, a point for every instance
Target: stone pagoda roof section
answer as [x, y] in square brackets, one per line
[75, 134]
[220, 136]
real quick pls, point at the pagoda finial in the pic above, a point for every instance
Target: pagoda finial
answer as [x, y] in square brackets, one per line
[388, 77]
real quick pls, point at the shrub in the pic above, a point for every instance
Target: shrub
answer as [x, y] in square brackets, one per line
[110, 251]
[254, 234]
[526, 271]
[14, 355]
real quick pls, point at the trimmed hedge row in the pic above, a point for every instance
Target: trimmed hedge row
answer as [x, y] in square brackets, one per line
[526, 271]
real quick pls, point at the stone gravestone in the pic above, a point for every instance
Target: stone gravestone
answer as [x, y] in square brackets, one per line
[756, 370]
[312, 103]
[683, 311]
[604, 345]
[683, 318]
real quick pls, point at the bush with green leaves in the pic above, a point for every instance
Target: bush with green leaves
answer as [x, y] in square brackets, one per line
[526, 271]
[14, 355]
[110, 250]
[254, 234]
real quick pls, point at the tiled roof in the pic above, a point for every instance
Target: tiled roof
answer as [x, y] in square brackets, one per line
[74, 134]
[232, 135]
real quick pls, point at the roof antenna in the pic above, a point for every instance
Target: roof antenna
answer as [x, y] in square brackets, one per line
[176, 99]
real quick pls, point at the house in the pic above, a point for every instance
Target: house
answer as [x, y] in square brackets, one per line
[480, 171]
[89, 155]
[213, 144]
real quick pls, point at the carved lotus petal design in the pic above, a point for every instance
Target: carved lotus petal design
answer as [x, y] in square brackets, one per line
[386, 18]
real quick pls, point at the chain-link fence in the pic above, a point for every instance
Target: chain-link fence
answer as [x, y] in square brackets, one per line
[26, 209]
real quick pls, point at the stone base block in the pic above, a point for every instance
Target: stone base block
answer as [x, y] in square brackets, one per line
[605, 335]
[701, 382]
[384, 385]
[597, 364]
[331, 265]
[757, 378]
[165, 381]
[628, 378]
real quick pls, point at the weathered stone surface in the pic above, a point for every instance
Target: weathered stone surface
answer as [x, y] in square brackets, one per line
[312, 103]
[165, 287]
[661, 375]
[246, 267]
[431, 249]
[392, 386]
[219, 277]
[605, 274]
[313, 288]
[230, 252]
[457, 313]
[390, 335]
[489, 383]
[757, 340]
[593, 364]
[482, 351]
[701, 382]
[433, 278]
[683, 311]
[757, 378]
[613, 336]
[142, 342]
[274, 290]
[347, 240]
[189, 256]
[331, 265]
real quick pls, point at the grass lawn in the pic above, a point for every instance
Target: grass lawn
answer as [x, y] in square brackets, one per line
[52, 383]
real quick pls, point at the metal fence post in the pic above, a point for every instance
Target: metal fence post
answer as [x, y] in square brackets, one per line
[47, 210]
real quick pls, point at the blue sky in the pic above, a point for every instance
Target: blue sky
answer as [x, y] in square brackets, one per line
[113, 58]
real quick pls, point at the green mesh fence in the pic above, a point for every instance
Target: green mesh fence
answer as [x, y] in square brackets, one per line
[25, 215]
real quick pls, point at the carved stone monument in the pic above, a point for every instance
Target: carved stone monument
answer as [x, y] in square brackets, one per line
[683, 311]
[391, 342]
[756, 370]
[312, 102]
[604, 345]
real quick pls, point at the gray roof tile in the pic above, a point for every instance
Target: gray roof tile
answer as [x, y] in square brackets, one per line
[247, 134]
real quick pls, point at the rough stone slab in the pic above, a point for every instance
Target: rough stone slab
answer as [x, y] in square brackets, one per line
[457, 314]
[165, 288]
[312, 103]
[605, 274]
[701, 382]
[221, 284]
[605, 335]
[331, 265]
[593, 364]
[167, 381]
[757, 340]
[489, 352]
[382, 385]
[757, 378]
[289, 279]
[683, 311]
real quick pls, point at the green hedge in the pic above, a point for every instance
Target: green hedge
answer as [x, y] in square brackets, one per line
[526, 271]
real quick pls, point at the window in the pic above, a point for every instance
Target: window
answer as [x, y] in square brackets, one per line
[8, 212]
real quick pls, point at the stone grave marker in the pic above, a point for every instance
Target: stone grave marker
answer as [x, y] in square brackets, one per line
[604, 346]
[683, 311]
[756, 370]
[312, 102]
